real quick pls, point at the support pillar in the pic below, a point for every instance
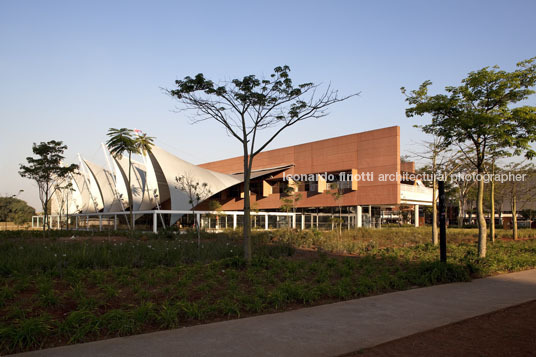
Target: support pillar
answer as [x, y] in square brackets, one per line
[100, 222]
[198, 218]
[234, 221]
[115, 222]
[155, 223]
[359, 214]
[416, 215]
[266, 222]
[294, 221]
[302, 221]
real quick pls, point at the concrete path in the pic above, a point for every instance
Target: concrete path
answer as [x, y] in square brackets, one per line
[326, 330]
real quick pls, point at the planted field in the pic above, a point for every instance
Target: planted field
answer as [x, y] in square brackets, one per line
[58, 291]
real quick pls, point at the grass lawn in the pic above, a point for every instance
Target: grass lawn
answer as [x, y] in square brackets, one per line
[58, 291]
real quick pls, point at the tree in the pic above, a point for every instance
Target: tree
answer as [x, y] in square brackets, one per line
[15, 210]
[520, 191]
[463, 189]
[336, 192]
[122, 141]
[63, 189]
[45, 170]
[247, 106]
[216, 207]
[196, 192]
[441, 163]
[479, 112]
[290, 199]
[492, 202]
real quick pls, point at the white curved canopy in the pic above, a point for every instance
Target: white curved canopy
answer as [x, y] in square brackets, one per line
[105, 187]
[171, 167]
[152, 183]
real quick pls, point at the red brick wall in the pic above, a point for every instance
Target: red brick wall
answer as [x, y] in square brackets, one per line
[375, 151]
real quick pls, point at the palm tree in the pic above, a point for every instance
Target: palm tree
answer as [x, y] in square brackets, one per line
[144, 143]
[122, 141]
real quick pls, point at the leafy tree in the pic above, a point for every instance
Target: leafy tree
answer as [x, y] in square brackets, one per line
[247, 106]
[123, 141]
[45, 169]
[479, 112]
[15, 210]
[196, 192]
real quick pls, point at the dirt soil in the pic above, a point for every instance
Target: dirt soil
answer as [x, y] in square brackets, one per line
[507, 332]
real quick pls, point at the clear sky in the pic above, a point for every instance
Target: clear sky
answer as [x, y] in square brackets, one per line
[69, 70]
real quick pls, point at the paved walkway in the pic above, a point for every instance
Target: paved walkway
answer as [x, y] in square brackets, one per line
[326, 330]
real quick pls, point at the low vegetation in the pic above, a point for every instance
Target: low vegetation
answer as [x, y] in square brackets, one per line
[65, 290]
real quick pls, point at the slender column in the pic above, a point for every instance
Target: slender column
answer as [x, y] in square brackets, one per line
[234, 220]
[198, 219]
[302, 221]
[294, 221]
[155, 223]
[100, 222]
[266, 222]
[416, 215]
[115, 222]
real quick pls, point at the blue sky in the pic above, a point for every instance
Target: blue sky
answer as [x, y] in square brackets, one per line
[69, 70]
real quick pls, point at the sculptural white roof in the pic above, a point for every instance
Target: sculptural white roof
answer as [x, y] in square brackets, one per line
[105, 188]
[152, 183]
[168, 167]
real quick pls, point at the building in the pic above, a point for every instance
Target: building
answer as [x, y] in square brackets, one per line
[359, 176]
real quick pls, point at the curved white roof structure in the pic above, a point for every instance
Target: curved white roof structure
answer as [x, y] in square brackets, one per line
[105, 187]
[168, 167]
[153, 183]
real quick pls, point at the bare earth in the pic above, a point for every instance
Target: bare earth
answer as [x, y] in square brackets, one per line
[507, 332]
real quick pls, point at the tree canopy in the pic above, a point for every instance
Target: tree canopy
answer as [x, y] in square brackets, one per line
[15, 210]
[246, 106]
[480, 115]
[46, 169]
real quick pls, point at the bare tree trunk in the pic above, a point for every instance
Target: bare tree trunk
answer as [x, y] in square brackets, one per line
[340, 220]
[461, 212]
[247, 208]
[470, 212]
[492, 202]
[482, 236]
[514, 212]
[435, 239]
[67, 213]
